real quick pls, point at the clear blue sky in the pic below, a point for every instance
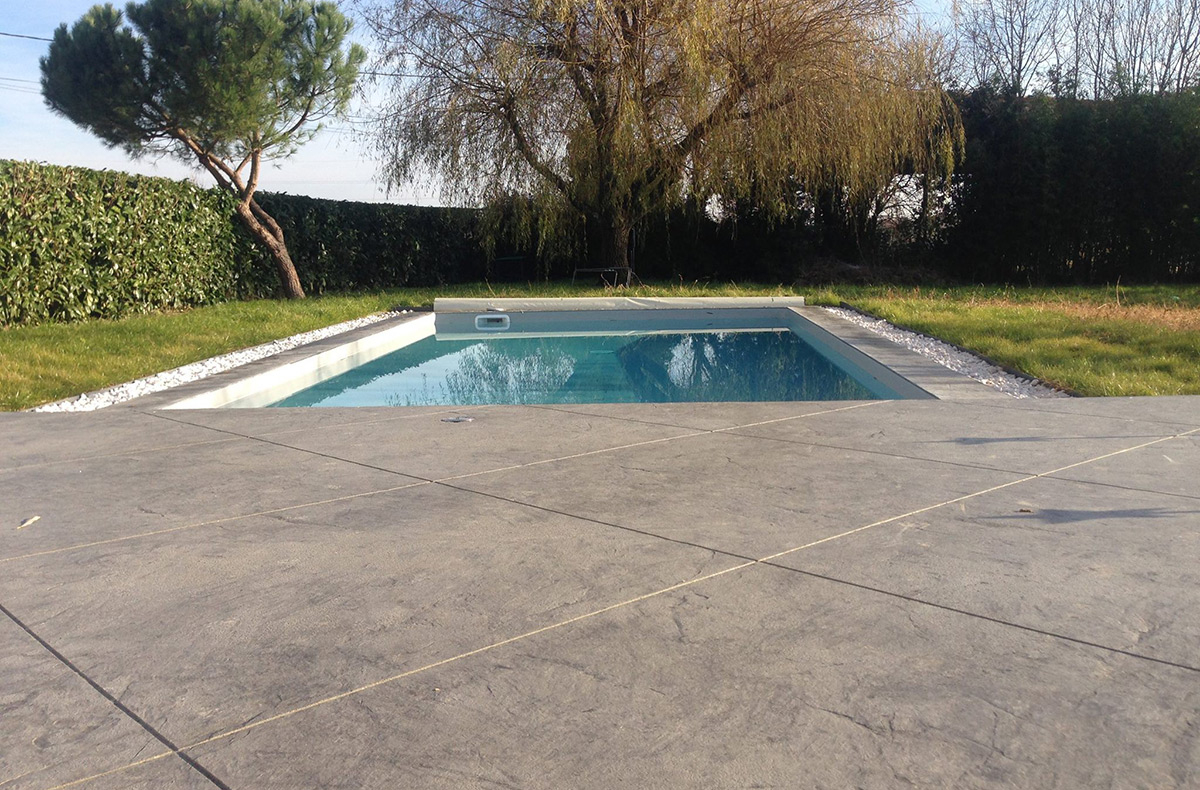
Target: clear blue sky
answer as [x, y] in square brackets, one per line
[336, 164]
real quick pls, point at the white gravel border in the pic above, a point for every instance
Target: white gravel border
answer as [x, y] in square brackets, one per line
[952, 357]
[944, 354]
[90, 401]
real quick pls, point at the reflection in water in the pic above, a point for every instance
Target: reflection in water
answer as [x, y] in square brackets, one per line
[652, 368]
[738, 366]
[503, 373]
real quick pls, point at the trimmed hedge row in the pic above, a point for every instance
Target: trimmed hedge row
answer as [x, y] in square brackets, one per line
[78, 243]
[1066, 190]
[340, 245]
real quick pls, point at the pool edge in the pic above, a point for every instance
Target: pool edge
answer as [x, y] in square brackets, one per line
[908, 373]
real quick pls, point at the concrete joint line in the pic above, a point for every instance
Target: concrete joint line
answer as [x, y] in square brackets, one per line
[1120, 487]
[371, 422]
[706, 432]
[568, 457]
[965, 497]
[210, 523]
[882, 453]
[984, 617]
[232, 437]
[612, 607]
[401, 676]
[116, 703]
[549, 407]
[1058, 413]
[420, 481]
[122, 454]
[977, 494]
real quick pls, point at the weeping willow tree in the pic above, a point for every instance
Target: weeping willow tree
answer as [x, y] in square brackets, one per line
[608, 111]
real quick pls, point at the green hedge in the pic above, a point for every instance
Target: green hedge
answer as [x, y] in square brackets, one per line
[1068, 190]
[78, 243]
[340, 245]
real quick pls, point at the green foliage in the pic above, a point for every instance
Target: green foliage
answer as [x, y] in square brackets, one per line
[617, 111]
[1065, 190]
[77, 243]
[232, 76]
[1092, 352]
[344, 245]
[53, 361]
[93, 75]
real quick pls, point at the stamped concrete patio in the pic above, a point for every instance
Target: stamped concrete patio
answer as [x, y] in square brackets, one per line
[966, 594]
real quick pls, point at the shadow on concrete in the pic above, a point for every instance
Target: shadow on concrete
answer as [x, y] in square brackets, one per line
[1065, 516]
[971, 441]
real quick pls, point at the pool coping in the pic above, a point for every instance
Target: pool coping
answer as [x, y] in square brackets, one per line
[588, 303]
[164, 398]
[939, 382]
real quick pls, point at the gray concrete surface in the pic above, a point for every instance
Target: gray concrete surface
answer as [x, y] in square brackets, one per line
[959, 594]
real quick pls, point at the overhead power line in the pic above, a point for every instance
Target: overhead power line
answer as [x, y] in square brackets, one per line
[20, 89]
[19, 35]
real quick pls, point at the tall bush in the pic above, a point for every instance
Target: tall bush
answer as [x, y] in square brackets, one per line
[342, 245]
[78, 243]
[1068, 190]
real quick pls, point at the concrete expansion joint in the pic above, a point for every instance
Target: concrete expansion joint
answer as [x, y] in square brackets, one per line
[116, 703]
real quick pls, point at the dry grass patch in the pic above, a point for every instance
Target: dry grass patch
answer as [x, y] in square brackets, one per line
[1175, 318]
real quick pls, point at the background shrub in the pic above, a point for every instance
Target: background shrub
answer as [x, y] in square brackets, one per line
[340, 245]
[78, 243]
[1052, 190]
[1064, 190]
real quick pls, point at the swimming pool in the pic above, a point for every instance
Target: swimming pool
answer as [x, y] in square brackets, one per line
[477, 352]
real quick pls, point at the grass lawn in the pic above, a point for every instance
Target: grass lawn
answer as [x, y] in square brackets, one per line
[1142, 340]
[1096, 341]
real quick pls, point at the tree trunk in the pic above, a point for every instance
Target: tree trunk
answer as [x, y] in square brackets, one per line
[608, 237]
[609, 226]
[923, 219]
[289, 281]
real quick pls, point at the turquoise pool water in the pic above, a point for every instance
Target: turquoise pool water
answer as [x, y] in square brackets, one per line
[761, 365]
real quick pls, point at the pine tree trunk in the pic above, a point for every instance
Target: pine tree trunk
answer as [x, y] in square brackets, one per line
[289, 281]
